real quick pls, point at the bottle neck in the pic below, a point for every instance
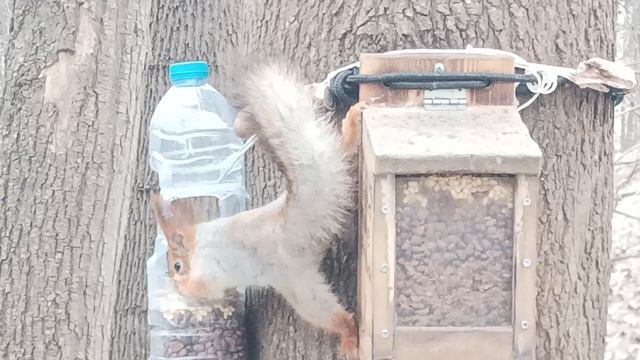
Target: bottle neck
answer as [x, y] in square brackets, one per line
[188, 82]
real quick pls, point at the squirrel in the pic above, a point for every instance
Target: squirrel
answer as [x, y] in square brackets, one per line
[281, 244]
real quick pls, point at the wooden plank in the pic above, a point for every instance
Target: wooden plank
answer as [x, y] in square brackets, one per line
[525, 218]
[376, 93]
[365, 259]
[384, 232]
[452, 343]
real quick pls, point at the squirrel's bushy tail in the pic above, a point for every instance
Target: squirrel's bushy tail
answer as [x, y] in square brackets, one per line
[307, 149]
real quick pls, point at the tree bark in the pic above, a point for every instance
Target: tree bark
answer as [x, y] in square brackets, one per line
[68, 117]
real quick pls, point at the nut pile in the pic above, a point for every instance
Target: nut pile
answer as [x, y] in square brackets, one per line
[188, 329]
[200, 332]
[454, 248]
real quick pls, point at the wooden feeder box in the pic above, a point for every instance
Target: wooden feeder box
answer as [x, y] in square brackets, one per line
[449, 184]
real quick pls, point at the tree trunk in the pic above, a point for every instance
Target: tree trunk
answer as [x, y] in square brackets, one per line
[574, 129]
[68, 117]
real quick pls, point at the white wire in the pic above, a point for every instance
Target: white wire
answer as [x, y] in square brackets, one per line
[546, 82]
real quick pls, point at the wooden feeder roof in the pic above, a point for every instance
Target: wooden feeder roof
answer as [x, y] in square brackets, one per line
[479, 139]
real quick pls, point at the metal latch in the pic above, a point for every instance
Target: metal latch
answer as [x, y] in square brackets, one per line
[449, 99]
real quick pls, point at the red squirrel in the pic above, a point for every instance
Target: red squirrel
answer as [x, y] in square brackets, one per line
[281, 244]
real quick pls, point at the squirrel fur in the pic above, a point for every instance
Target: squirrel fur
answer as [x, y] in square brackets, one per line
[281, 244]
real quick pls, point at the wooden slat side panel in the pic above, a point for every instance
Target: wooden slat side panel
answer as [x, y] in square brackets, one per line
[365, 257]
[384, 231]
[525, 267]
[375, 93]
[454, 343]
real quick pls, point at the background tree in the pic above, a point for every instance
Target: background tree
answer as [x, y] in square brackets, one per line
[628, 38]
[623, 332]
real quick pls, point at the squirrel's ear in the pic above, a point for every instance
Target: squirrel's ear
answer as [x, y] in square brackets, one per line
[176, 221]
[177, 242]
[161, 219]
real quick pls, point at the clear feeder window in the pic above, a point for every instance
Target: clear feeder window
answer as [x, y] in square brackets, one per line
[454, 249]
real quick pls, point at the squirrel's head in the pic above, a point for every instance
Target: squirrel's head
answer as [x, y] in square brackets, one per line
[176, 219]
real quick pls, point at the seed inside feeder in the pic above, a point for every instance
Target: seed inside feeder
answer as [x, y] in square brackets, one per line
[454, 250]
[198, 331]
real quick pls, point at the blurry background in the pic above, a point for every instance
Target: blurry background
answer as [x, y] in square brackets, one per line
[623, 328]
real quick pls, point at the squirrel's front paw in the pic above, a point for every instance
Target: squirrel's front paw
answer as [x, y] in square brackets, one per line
[244, 125]
[351, 127]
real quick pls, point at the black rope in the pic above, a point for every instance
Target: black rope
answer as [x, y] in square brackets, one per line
[617, 95]
[438, 77]
[342, 94]
[438, 85]
[343, 90]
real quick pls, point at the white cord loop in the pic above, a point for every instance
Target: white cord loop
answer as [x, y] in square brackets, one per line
[546, 82]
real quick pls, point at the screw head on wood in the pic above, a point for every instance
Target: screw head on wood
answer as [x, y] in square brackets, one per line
[385, 210]
[526, 201]
[384, 268]
[385, 333]
[439, 68]
[524, 325]
[526, 262]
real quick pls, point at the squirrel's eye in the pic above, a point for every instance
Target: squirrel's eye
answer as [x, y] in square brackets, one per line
[177, 266]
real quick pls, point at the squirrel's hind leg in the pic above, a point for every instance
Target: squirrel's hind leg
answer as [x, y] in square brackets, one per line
[314, 301]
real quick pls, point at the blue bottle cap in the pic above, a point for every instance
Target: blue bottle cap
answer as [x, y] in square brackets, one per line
[189, 70]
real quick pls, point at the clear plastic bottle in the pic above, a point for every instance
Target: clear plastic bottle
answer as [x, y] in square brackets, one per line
[197, 155]
[192, 144]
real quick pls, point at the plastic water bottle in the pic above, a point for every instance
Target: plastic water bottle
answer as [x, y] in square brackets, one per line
[196, 154]
[192, 144]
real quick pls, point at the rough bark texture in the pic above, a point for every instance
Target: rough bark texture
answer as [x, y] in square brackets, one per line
[68, 125]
